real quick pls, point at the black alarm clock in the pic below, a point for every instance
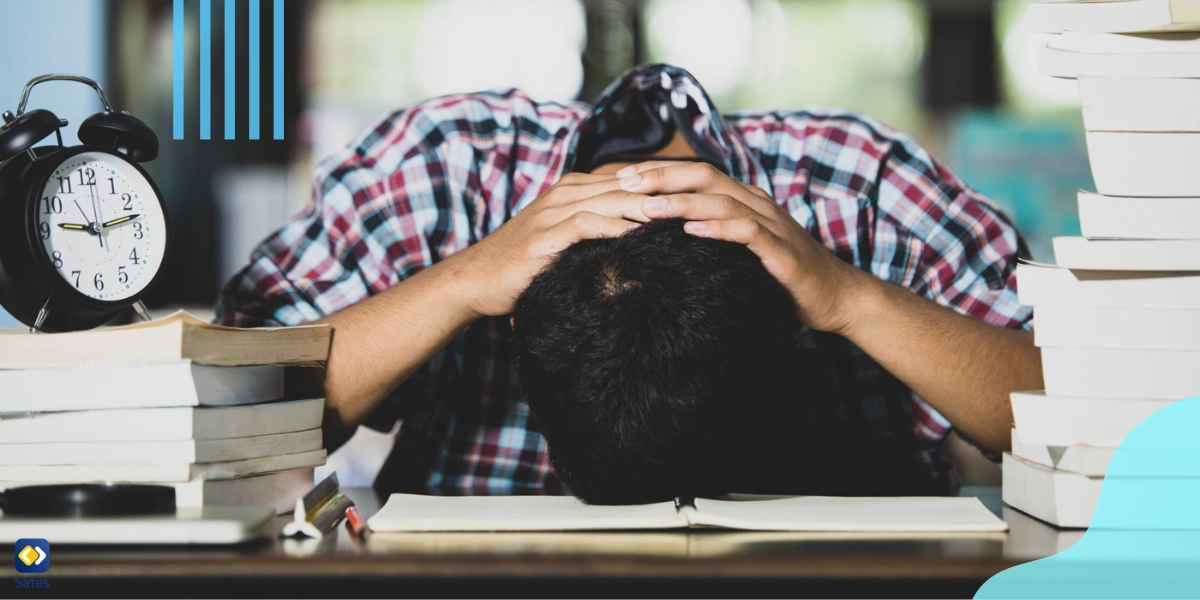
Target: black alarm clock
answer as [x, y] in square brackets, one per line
[83, 229]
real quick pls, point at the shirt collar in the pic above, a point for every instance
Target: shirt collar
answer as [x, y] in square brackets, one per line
[741, 164]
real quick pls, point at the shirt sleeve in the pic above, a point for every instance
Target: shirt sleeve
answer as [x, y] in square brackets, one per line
[945, 241]
[368, 226]
[950, 244]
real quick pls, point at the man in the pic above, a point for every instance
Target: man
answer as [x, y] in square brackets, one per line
[422, 235]
[660, 364]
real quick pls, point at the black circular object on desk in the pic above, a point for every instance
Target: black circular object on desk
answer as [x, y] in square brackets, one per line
[89, 500]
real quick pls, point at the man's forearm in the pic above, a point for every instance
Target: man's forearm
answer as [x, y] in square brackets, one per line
[963, 367]
[380, 342]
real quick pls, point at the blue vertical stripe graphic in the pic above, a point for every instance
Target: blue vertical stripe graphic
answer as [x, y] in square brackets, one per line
[230, 70]
[254, 70]
[277, 59]
[205, 69]
[177, 89]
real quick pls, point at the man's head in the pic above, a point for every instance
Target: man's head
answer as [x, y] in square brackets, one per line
[657, 364]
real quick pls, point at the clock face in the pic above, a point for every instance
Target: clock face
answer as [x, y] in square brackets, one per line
[101, 226]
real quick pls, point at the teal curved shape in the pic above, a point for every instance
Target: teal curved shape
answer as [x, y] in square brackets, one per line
[1144, 541]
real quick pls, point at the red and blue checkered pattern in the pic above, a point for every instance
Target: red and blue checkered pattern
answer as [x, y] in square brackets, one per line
[430, 180]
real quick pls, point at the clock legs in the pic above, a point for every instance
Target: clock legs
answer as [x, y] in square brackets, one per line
[141, 311]
[41, 316]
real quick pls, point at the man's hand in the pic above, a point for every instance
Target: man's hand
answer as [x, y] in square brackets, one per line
[719, 207]
[499, 267]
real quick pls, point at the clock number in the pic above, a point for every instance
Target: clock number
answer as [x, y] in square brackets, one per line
[122, 276]
[64, 185]
[128, 201]
[98, 281]
[133, 256]
[57, 256]
[53, 205]
[91, 177]
[112, 184]
[76, 274]
[137, 231]
[44, 228]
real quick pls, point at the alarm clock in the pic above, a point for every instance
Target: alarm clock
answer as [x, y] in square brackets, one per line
[83, 229]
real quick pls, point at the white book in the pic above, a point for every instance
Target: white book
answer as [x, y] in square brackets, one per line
[1093, 461]
[1140, 104]
[277, 491]
[176, 337]
[179, 383]
[1079, 421]
[1127, 255]
[1137, 328]
[1144, 164]
[1041, 285]
[1120, 217]
[1114, 16]
[1130, 43]
[1108, 373]
[1084, 460]
[1054, 61]
[1031, 539]
[1057, 497]
[162, 424]
[410, 512]
[158, 453]
[161, 473]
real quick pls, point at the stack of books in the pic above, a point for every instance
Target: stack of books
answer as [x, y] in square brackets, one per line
[174, 401]
[1118, 318]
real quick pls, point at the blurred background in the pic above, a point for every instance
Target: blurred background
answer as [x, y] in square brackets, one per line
[959, 75]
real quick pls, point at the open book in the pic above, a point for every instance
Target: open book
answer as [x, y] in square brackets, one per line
[409, 512]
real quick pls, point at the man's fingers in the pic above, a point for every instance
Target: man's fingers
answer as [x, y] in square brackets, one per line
[705, 207]
[750, 232]
[679, 177]
[582, 225]
[615, 203]
[577, 186]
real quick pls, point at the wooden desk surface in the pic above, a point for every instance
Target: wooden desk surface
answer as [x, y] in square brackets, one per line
[693, 563]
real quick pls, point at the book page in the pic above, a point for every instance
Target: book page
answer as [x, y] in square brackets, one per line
[826, 513]
[413, 512]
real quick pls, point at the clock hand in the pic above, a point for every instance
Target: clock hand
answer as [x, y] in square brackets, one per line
[96, 211]
[91, 228]
[119, 221]
[74, 226]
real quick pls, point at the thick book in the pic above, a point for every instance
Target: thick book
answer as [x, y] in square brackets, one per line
[1154, 164]
[1121, 373]
[161, 473]
[1055, 61]
[1130, 43]
[179, 383]
[1138, 329]
[158, 453]
[1084, 460]
[1060, 498]
[1140, 104]
[409, 512]
[1120, 217]
[1079, 421]
[277, 491]
[1119, 16]
[1030, 539]
[1049, 285]
[162, 424]
[1127, 255]
[176, 337]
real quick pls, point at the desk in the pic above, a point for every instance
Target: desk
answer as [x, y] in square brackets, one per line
[698, 564]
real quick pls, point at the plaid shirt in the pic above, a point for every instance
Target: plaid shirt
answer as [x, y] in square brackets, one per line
[429, 181]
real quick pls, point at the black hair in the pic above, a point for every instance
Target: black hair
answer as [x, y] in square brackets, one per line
[659, 364]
